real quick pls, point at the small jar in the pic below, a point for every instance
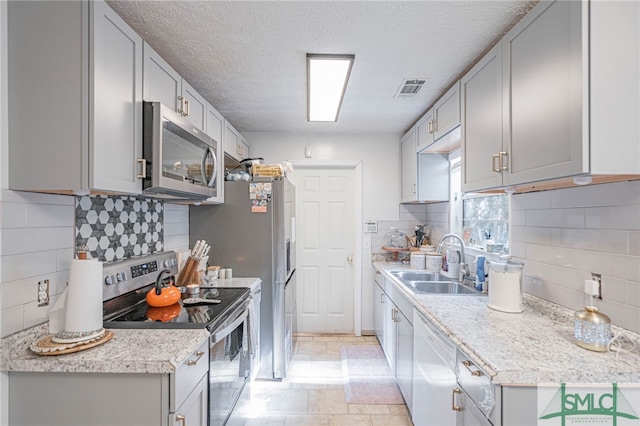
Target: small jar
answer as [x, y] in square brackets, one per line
[592, 329]
[418, 260]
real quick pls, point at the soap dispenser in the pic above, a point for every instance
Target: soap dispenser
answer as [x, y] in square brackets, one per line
[480, 275]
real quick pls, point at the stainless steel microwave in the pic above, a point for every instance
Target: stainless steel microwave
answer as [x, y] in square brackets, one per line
[180, 161]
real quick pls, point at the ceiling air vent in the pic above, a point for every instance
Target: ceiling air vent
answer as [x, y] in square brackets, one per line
[410, 87]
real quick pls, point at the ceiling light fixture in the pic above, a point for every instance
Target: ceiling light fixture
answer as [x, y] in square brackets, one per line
[327, 77]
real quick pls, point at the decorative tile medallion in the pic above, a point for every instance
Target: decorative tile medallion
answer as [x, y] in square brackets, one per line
[119, 227]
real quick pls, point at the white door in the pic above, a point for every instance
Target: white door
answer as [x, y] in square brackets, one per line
[326, 232]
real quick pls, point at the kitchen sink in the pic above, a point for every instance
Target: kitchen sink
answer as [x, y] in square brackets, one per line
[433, 283]
[440, 287]
[420, 276]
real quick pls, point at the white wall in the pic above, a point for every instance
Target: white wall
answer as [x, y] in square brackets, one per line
[564, 235]
[380, 156]
[379, 153]
[4, 381]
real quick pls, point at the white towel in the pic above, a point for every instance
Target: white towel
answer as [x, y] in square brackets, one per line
[249, 332]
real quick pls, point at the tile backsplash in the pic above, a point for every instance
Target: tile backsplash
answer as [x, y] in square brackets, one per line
[119, 227]
[38, 237]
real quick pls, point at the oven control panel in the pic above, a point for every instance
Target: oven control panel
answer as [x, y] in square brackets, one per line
[123, 276]
[144, 268]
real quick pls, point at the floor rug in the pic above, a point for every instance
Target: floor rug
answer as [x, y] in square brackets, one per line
[367, 376]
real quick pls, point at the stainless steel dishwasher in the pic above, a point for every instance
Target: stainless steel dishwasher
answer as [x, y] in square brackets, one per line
[434, 377]
[448, 388]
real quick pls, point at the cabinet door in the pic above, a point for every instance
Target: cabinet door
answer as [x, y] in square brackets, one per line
[193, 410]
[544, 86]
[243, 148]
[469, 415]
[231, 140]
[379, 300]
[390, 333]
[161, 82]
[404, 358]
[196, 106]
[446, 112]
[425, 131]
[116, 92]
[481, 92]
[409, 167]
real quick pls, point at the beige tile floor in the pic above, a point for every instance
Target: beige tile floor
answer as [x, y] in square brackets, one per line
[313, 393]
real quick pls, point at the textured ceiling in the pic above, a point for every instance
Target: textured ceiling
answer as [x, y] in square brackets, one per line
[248, 58]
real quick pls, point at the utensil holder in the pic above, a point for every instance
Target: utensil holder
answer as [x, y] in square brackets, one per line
[190, 273]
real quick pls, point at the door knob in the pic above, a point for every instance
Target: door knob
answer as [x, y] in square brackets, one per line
[349, 259]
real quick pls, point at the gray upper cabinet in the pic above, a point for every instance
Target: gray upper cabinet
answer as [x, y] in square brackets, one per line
[481, 92]
[409, 167]
[441, 119]
[544, 85]
[162, 83]
[552, 100]
[83, 57]
[446, 112]
[235, 144]
[425, 131]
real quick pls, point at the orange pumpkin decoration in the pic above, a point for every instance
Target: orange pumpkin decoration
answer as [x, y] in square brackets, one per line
[164, 314]
[167, 297]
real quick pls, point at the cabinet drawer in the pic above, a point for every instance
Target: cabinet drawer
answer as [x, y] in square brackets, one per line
[188, 375]
[477, 384]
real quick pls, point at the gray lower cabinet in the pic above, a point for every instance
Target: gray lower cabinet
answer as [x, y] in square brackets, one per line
[112, 399]
[395, 333]
[75, 90]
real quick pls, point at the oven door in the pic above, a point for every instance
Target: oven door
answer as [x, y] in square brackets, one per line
[229, 371]
[184, 161]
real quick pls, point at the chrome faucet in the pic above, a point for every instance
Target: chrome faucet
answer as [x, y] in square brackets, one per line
[464, 269]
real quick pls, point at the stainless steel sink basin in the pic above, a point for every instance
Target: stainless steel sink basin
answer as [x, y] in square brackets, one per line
[440, 287]
[406, 276]
[433, 283]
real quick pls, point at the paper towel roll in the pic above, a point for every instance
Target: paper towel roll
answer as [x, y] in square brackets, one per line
[84, 296]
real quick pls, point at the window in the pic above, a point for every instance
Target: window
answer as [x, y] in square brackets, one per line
[487, 218]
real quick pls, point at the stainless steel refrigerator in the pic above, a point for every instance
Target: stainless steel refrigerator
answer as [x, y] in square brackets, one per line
[253, 233]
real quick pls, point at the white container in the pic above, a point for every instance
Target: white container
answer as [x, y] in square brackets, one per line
[433, 262]
[418, 260]
[505, 286]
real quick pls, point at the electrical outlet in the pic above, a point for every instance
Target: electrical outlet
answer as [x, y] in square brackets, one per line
[43, 293]
[598, 278]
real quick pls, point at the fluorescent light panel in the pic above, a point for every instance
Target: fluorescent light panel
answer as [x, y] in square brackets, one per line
[327, 77]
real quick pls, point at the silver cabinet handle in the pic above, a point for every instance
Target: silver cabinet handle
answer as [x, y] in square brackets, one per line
[495, 168]
[430, 126]
[468, 364]
[504, 160]
[181, 418]
[382, 298]
[193, 362]
[186, 107]
[181, 107]
[143, 168]
[413, 188]
[455, 407]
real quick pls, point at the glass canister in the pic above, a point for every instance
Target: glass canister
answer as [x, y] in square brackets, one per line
[592, 329]
[505, 285]
[395, 239]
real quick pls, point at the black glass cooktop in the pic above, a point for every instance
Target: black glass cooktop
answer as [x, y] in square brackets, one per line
[179, 315]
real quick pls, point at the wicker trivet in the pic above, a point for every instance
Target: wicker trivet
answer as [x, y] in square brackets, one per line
[46, 346]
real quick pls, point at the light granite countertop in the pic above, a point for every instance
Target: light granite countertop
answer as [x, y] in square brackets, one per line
[129, 351]
[252, 283]
[532, 347]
